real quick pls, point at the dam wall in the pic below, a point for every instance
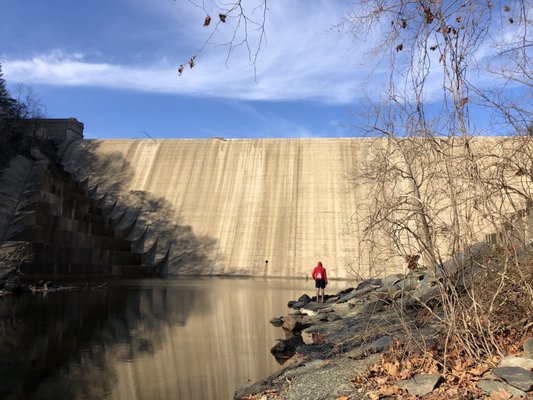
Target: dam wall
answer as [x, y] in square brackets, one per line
[263, 207]
[274, 207]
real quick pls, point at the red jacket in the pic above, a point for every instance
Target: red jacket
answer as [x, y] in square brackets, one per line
[319, 273]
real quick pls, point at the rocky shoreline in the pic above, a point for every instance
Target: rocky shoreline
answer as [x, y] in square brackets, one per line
[329, 347]
[14, 285]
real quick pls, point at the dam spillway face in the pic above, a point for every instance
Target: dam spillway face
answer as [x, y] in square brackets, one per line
[259, 207]
[54, 225]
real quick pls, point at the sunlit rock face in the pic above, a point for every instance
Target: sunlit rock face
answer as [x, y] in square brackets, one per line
[231, 205]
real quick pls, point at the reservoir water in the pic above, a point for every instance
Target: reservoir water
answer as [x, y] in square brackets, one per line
[153, 339]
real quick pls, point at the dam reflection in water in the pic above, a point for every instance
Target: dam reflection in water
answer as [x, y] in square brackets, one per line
[175, 339]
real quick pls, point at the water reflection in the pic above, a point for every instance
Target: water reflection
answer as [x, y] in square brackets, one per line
[179, 339]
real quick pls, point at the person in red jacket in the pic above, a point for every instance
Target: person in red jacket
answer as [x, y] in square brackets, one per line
[321, 280]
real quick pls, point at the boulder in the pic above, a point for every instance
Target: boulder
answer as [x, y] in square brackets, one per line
[420, 385]
[313, 338]
[277, 321]
[330, 317]
[495, 386]
[332, 299]
[315, 307]
[304, 299]
[292, 322]
[528, 348]
[354, 294]
[428, 295]
[373, 307]
[372, 283]
[522, 362]
[411, 282]
[285, 349]
[375, 346]
[297, 305]
[391, 280]
[345, 291]
[518, 377]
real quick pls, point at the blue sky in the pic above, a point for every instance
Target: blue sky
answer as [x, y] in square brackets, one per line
[113, 65]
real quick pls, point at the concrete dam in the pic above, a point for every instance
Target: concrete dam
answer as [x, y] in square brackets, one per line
[261, 207]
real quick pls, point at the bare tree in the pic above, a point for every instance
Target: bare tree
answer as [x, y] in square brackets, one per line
[434, 189]
[245, 19]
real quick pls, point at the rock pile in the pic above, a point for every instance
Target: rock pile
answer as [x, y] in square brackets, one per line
[352, 327]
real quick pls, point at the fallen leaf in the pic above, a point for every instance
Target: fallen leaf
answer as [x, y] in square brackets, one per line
[389, 390]
[373, 395]
[392, 368]
[479, 370]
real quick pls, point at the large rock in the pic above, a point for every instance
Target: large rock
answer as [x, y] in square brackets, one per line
[375, 346]
[285, 349]
[391, 280]
[373, 307]
[292, 322]
[528, 348]
[372, 283]
[420, 385]
[355, 294]
[313, 338]
[518, 377]
[304, 299]
[277, 321]
[522, 362]
[495, 386]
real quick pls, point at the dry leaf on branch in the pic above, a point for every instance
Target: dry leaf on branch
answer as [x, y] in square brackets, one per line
[222, 17]
[180, 69]
[507, 8]
[429, 15]
[191, 62]
[399, 47]
[207, 20]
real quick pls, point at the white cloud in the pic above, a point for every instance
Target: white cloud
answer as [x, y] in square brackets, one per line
[301, 59]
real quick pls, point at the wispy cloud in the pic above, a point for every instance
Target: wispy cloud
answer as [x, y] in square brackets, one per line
[301, 59]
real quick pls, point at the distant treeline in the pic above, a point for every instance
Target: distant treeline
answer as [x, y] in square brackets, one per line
[15, 135]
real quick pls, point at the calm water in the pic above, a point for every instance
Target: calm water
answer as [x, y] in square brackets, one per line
[175, 339]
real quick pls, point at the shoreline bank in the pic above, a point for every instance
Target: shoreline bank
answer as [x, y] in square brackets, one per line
[345, 348]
